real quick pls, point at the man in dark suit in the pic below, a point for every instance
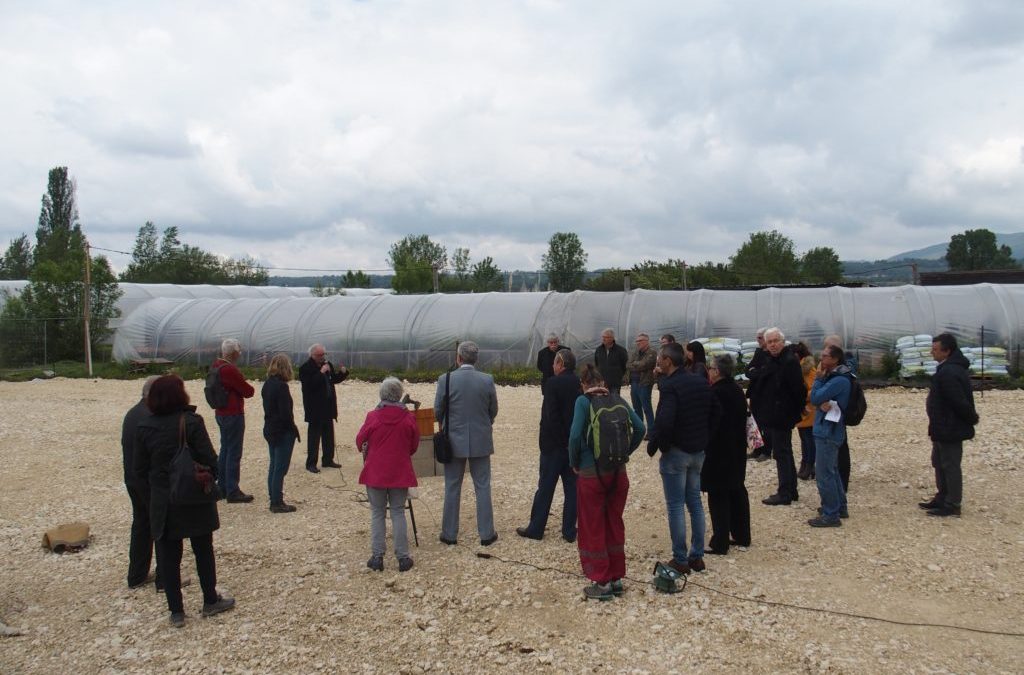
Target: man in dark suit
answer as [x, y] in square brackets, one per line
[320, 401]
[560, 394]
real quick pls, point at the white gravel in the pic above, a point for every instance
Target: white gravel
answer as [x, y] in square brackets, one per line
[307, 603]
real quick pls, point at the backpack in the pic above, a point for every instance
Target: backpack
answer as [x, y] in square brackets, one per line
[857, 406]
[610, 431]
[216, 394]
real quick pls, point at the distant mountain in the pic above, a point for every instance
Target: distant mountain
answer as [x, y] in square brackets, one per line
[938, 251]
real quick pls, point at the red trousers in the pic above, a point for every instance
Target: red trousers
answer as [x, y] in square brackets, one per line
[601, 534]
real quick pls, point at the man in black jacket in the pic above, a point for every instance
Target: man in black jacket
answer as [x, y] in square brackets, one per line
[951, 420]
[779, 388]
[546, 358]
[610, 359]
[320, 402]
[140, 549]
[687, 414]
[560, 394]
[759, 358]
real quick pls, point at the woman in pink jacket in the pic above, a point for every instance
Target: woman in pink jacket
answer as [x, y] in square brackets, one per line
[388, 439]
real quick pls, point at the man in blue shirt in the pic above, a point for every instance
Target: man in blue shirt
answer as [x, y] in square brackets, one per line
[832, 387]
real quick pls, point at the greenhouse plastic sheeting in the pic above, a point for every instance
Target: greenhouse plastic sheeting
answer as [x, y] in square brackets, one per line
[410, 331]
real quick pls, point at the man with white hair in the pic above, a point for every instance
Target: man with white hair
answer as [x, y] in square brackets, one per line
[320, 401]
[779, 388]
[610, 359]
[759, 358]
[546, 358]
[231, 420]
[467, 402]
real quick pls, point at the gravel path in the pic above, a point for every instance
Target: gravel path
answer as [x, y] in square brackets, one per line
[306, 601]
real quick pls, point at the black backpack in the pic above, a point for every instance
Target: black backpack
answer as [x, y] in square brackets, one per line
[216, 394]
[610, 431]
[857, 406]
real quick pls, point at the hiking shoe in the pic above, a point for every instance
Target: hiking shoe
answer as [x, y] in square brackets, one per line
[821, 522]
[376, 563]
[776, 500]
[239, 498]
[281, 508]
[617, 588]
[404, 564]
[178, 619]
[222, 605]
[843, 513]
[696, 564]
[930, 504]
[597, 591]
[680, 567]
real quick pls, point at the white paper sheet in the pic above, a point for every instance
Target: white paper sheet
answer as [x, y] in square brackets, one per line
[834, 414]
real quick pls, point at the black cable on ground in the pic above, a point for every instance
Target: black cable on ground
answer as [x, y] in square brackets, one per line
[686, 579]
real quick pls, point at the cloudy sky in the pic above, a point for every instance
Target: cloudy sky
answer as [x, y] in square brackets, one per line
[314, 134]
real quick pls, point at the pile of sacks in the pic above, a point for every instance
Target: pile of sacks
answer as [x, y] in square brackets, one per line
[914, 353]
[715, 346]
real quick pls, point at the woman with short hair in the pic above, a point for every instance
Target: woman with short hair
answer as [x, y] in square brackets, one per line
[279, 428]
[388, 439]
[174, 421]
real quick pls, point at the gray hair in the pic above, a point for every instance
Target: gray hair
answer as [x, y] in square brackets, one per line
[673, 351]
[313, 347]
[230, 346]
[609, 332]
[148, 384]
[468, 352]
[391, 390]
[566, 358]
[761, 331]
[725, 365]
[550, 337]
[774, 330]
[833, 340]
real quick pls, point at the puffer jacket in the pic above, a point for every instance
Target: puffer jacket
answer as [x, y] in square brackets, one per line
[950, 403]
[777, 391]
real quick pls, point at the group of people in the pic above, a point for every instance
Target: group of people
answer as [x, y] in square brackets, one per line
[587, 433]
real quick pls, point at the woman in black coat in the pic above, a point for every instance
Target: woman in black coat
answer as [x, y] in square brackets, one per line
[725, 465]
[157, 439]
[279, 429]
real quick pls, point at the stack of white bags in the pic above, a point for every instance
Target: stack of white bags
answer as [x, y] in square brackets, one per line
[915, 357]
[715, 346]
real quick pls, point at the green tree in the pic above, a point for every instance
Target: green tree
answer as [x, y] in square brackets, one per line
[486, 276]
[565, 262]
[821, 265]
[355, 280]
[55, 290]
[17, 260]
[414, 260]
[608, 280]
[977, 250]
[171, 262]
[766, 258]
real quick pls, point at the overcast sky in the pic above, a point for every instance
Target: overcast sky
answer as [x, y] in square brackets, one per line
[314, 134]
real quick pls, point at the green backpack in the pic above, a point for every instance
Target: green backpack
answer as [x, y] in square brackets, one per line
[610, 431]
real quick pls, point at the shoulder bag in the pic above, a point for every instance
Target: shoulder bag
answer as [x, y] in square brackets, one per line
[442, 443]
[190, 482]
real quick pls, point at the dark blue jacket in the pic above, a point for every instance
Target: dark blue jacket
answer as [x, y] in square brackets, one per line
[560, 394]
[950, 404]
[687, 412]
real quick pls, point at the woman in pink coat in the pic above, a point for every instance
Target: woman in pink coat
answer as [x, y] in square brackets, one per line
[388, 439]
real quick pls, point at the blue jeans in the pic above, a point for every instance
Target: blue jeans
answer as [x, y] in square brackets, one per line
[826, 471]
[641, 397]
[280, 458]
[229, 464]
[680, 477]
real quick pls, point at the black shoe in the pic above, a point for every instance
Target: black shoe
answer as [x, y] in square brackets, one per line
[843, 513]
[239, 498]
[571, 539]
[762, 458]
[376, 562]
[404, 564]
[821, 522]
[222, 605]
[312, 469]
[716, 551]
[331, 465]
[525, 533]
[733, 542]
[930, 504]
[943, 511]
[178, 619]
[281, 507]
[488, 542]
[447, 542]
[776, 500]
[150, 578]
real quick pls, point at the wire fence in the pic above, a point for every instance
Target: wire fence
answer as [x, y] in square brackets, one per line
[40, 343]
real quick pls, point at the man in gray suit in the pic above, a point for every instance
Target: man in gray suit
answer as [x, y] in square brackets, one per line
[473, 405]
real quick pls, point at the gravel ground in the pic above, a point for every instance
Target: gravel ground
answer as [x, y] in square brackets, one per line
[306, 601]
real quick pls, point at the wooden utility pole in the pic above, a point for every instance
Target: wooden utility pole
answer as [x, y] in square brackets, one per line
[625, 281]
[85, 310]
[915, 278]
[682, 263]
[437, 281]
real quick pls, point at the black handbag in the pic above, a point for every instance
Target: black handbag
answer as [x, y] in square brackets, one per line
[191, 483]
[443, 444]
